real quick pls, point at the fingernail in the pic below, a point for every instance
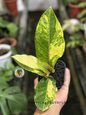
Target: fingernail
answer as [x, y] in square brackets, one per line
[67, 72]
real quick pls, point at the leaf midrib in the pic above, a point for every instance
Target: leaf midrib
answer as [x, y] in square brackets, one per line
[49, 40]
[46, 89]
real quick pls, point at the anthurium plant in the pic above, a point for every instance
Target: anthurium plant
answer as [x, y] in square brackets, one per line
[12, 100]
[49, 45]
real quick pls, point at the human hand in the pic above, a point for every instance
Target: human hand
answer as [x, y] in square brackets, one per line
[61, 97]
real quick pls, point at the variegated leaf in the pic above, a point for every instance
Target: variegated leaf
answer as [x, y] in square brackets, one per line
[49, 40]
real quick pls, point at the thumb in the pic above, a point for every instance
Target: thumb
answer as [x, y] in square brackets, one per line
[35, 82]
[62, 93]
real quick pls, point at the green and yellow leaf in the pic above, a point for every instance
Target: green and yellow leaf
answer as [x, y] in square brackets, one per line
[45, 93]
[31, 64]
[11, 99]
[49, 40]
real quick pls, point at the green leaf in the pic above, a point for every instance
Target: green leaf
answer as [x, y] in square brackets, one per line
[29, 63]
[76, 41]
[11, 90]
[83, 13]
[8, 75]
[82, 4]
[5, 64]
[4, 107]
[12, 29]
[47, 67]
[79, 26]
[17, 101]
[14, 52]
[65, 2]
[3, 23]
[3, 84]
[43, 69]
[49, 41]
[45, 93]
[11, 66]
[83, 20]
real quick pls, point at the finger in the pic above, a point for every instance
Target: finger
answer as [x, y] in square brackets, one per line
[35, 82]
[63, 91]
[65, 86]
[67, 77]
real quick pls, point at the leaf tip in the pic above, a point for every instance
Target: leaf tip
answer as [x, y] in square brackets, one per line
[13, 57]
[50, 8]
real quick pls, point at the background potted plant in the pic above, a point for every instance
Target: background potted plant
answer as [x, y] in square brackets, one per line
[12, 100]
[82, 17]
[75, 9]
[50, 45]
[70, 25]
[75, 30]
[12, 6]
[82, 14]
[76, 40]
[8, 29]
[5, 54]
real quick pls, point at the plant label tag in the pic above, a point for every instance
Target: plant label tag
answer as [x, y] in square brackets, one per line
[19, 72]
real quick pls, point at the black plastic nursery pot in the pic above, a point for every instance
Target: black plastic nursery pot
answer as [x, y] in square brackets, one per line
[59, 73]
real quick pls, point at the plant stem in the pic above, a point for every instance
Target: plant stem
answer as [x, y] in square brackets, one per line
[53, 71]
[46, 76]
